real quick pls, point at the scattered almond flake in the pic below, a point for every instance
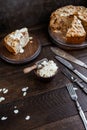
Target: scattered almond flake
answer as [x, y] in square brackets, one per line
[5, 91]
[25, 93]
[25, 89]
[16, 111]
[27, 118]
[0, 89]
[2, 99]
[4, 118]
[30, 38]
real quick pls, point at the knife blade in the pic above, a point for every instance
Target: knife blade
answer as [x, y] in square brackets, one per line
[67, 73]
[67, 56]
[71, 67]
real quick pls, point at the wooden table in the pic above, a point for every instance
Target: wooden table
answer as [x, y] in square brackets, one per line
[48, 104]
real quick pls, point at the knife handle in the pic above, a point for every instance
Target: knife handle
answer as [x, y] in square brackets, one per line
[80, 75]
[81, 86]
[29, 69]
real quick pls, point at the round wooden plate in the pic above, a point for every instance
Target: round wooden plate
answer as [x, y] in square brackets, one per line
[31, 51]
[59, 40]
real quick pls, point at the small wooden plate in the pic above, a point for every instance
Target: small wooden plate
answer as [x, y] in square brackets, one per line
[31, 51]
[59, 40]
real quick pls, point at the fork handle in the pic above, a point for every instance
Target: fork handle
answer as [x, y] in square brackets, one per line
[82, 115]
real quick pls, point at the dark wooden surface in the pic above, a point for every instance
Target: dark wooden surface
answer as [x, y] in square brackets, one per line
[47, 103]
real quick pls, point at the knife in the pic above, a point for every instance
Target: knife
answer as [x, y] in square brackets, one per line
[71, 67]
[67, 56]
[67, 73]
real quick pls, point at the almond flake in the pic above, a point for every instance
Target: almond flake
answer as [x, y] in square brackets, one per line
[25, 89]
[6, 91]
[25, 93]
[27, 118]
[4, 118]
[2, 99]
[16, 111]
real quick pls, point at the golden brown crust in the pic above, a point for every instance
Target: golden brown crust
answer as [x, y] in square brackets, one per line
[80, 9]
[62, 18]
[83, 17]
[16, 41]
[10, 49]
[75, 39]
[76, 33]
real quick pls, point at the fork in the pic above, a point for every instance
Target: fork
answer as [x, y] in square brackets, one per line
[74, 97]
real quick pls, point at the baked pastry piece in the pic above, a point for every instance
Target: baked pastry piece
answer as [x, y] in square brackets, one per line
[17, 40]
[61, 18]
[76, 33]
[71, 22]
[83, 17]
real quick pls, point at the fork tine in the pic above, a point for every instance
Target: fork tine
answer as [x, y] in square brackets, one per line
[74, 97]
[70, 88]
[71, 91]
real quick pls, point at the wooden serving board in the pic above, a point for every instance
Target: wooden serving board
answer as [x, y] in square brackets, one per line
[60, 40]
[31, 51]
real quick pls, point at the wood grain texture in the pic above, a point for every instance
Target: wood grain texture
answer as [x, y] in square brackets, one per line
[72, 123]
[47, 103]
[44, 108]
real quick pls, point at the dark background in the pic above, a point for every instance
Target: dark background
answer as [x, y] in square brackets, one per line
[18, 13]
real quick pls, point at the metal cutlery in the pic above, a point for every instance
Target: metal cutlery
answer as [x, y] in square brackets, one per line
[74, 97]
[67, 56]
[71, 67]
[66, 72]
